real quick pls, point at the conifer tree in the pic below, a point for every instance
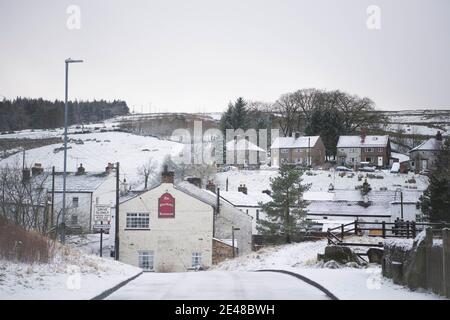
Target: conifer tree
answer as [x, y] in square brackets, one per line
[286, 214]
[435, 202]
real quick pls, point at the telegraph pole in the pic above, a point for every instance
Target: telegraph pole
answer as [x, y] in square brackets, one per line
[116, 216]
[53, 196]
[23, 159]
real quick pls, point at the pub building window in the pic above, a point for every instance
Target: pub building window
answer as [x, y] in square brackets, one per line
[196, 259]
[138, 221]
[257, 215]
[146, 260]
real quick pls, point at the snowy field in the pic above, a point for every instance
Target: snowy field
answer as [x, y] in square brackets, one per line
[345, 282]
[72, 275]
[132, 151]
[259, 180]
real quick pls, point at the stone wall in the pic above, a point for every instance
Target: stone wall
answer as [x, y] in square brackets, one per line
[221, 251]
[425, 264]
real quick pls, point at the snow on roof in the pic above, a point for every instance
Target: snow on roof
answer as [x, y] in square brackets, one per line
[243, 145]
[400, 156]
[240, 199]
[194, 191]
[347, 208]
[377, 196]
[292, 142]
[318, 196]
[430, 144]
[369, 141]
[87, 182]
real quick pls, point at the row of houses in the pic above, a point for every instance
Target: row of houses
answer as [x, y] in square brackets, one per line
[355, 151]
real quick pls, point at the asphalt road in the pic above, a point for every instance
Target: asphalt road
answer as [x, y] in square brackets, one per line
[217, 285]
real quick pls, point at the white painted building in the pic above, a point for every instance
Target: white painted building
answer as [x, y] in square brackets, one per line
[171, 228]
[83, 193]
[248, 203]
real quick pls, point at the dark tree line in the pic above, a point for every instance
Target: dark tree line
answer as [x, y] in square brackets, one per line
[26, 113]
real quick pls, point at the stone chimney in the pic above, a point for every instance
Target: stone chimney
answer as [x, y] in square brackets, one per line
[363, 135]
[109, 167]
[80, 170]
[211, 186]
[195, 181]
[242, 188]
[167, 176]
[439, 136]
[37, 169]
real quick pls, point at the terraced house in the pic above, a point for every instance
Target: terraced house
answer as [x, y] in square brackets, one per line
[301, 150]
[355, 150]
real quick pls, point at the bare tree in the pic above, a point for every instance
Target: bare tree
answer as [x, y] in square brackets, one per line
[357, 112]
[147, 170]
[23, 200]
[287, 109]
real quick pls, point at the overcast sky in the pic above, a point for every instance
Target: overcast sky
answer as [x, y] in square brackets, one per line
[197, 55]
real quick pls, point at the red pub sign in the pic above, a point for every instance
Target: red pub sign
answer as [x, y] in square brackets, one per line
[166, 206]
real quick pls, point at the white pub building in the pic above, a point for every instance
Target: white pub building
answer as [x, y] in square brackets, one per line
[176, 228]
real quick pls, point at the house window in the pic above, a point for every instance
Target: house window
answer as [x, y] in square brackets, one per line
[138, 220]
[196, 259]
[369, 160]
[74, 219]
[353, 160]
[75, 202]
[284, 150]
[412, 163]
[257, 214]
[146, 260]
[380, 149]
[369, 149]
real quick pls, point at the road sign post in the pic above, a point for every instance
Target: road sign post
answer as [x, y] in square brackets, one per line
[102, 218]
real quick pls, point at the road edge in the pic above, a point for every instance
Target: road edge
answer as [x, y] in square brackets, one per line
[305, 279]
[109, 291]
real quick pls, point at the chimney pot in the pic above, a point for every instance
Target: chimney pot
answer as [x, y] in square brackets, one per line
[167, 176]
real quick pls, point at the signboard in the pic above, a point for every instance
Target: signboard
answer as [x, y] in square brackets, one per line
[102, 226]
[166, 206]
[102, 213]
[102, 217]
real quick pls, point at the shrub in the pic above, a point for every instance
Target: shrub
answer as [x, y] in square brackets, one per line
[17, 244]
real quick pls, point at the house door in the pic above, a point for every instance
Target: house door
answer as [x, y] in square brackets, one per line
[424, 164]
[380, 161]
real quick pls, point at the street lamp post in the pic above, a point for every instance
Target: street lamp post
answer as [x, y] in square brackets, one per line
[233, 229]
[63, 216]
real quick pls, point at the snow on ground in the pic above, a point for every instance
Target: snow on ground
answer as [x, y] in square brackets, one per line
[132, 151]
[259, 180]
[345, 283]
[72, 275]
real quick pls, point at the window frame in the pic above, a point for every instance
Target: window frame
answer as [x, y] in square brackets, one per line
[139, 224]
[150, 255]
[196, 256]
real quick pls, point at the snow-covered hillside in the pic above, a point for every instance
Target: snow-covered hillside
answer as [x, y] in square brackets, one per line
[98, 149]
